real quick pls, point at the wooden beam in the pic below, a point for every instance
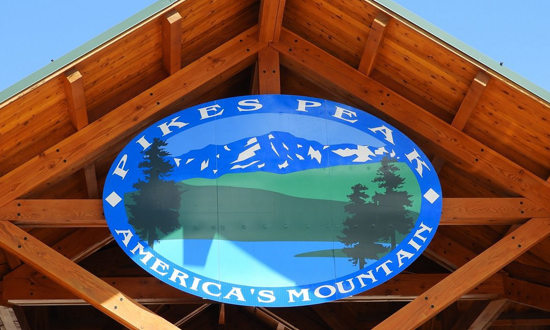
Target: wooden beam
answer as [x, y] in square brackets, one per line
[467, 316]
[474, 157]
[270, 20]
[487, 211]
[468, 276]
[91, 181]
[491, 312]
[78, 111]
[466, 108]
[269, 318]
[54, 212]
[77, 280]
[221, 316]
[39, 290]
[376, 33]
[526, 293]
[191, 315]
[69, 155]
[254, 88]
[406, 287]
[516, 323]
[74, 88]
[171, 41]
[470, 101]
[8, 318]
[447, 252]
[76, 246]
[269, 81]
[89, 212]
[13, 261]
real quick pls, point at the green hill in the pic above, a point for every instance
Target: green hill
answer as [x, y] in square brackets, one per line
[332, 183]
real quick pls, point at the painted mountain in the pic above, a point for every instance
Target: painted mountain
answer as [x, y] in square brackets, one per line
[276, 152]
[281, 188]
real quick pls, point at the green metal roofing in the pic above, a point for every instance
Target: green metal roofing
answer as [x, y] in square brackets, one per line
[162, 4]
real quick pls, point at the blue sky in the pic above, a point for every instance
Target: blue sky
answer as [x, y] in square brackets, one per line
[32, 33]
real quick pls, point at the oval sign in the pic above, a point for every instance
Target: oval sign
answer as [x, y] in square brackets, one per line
[272, 200]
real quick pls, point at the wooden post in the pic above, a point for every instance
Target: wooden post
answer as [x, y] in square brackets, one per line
[376, 33]
[269, 81]
[89, 212]
[270, 20]
[171, 42]
[466, 108]
[468, 276]
[74, 88]
[77, 280]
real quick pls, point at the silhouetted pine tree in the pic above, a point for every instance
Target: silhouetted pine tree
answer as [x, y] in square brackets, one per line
[391, 204]
[156, 203]
[361, 230]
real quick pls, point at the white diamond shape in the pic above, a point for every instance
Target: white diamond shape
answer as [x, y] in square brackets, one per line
[113, 199]
[431, 196]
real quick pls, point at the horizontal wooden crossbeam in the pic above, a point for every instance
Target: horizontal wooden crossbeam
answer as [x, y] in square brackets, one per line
[148, 290]
[72, 153]
[89, 212]
[307, 59]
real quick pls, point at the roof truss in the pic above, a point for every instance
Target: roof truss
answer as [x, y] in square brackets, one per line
[272, 45]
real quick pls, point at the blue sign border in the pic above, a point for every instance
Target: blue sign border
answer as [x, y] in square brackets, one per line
[373, 275]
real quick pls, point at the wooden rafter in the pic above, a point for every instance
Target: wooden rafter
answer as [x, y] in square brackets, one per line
[89, 212]
[78, 111]
[522, 322]
[270, 20]
[466, 108]
[302, 56]
[490, 313]
[374, 38]
[221, 316]
[270, 318]
[191, 315]
[171, 41]
[269, 81]
[37, 290]
[69, 155]
[526, 293]
[74, 88]
[468, 276]
[76, 246]
[79, 281]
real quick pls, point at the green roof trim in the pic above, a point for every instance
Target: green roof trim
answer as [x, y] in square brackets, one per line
[84, 49]
[464, 48]
[162, 4]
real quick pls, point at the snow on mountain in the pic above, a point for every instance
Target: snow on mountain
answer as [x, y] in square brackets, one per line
[276, 152]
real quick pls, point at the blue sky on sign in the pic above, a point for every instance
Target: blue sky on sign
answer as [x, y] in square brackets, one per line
[32, 33]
